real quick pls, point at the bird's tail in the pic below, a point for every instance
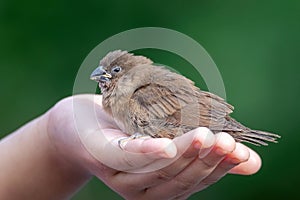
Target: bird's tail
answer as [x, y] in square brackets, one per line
[257, 137]
[242, 133]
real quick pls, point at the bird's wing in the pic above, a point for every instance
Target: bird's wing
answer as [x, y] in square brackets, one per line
[177, 103]
[157, 100]
[215, 103]
[214, 112]
[170, 100]
[155, 107]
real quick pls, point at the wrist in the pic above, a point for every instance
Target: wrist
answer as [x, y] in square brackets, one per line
[33, 168]
[64, 138]
[67, 172]
[63, 143]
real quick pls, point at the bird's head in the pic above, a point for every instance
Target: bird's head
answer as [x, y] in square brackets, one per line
[114, 65]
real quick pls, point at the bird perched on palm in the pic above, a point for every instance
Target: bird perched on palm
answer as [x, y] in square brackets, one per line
[145, 99]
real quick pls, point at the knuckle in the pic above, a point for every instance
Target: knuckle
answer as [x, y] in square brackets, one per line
[184, 184]
[226, 166]
[129, 162]
[182, 197]
[207, 182]
[207, 164]
[163, 175]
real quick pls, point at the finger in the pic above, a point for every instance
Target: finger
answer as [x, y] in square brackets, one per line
[190, 143]
[200, 136]
[157, 147]
[251, 166]
[140, 153]
[198, 170]
[239, 155]
[103, 146]
[188, 147]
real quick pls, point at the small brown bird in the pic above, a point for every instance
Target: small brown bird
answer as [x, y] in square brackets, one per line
[151, 100]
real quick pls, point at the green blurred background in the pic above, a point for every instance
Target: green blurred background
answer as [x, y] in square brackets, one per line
[255, 44]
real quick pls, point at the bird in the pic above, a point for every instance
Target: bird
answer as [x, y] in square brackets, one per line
[146, 99]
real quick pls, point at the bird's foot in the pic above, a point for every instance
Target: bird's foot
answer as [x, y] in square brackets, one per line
[124, 140]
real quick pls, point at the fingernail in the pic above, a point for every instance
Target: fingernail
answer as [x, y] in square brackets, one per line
[209, 139]
[221, 151]
[225, 143]
[122, 142]
[234, 160]
[197, 145]
[169, 151]
[204, 152]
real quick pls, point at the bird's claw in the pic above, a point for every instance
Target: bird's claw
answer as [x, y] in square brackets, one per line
[124, 140]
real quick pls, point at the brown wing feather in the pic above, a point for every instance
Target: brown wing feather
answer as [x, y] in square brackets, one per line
[214, 112]
[170, 102]
[160, 108]
[168, 113]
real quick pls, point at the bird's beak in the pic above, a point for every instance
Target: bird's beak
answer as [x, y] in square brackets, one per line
[99, 74]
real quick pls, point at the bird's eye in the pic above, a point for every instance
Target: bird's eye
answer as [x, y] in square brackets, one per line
[116, 69]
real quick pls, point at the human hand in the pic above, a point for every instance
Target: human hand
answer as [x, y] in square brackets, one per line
[86, 136]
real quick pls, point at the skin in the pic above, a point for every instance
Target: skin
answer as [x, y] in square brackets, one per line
[46, 159]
